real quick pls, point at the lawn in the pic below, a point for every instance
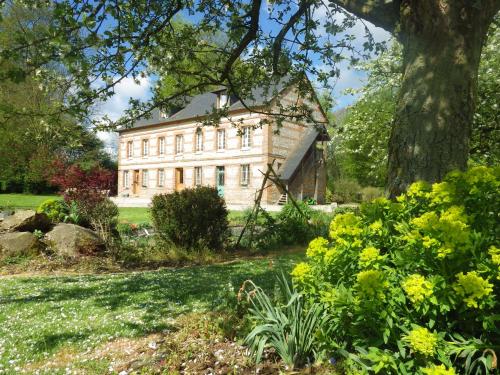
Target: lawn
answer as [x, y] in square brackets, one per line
[135, 215]
[42, 317]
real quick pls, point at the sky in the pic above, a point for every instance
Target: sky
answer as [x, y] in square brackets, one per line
[127, 88]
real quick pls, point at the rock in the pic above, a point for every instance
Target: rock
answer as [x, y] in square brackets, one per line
[18, 243]
[73, 240]
[25, 221]
[4, 214]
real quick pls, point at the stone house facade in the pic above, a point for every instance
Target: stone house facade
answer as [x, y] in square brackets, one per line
[168, 153]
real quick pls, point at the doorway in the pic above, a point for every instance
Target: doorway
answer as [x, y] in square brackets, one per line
[179, 179]
[135, 183]
[219, 180]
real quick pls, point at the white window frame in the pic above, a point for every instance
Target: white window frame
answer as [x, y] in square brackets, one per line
[161, 146]
[145, 147]
[179, 144]
[246, 138]
[130, 149]
[221, 139]
[161, 177]
[198, 176]
[245, 174]
[199, 140]
[145, 178]
[223, 99]
[126, 179]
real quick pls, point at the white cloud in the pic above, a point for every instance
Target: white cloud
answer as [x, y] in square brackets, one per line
[350, 78]
[117, 104]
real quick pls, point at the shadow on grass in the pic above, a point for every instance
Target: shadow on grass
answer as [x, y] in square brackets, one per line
[153, 295]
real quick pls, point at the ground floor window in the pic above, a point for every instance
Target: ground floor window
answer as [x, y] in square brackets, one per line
[161, 177]
[145, 178]
[126, 179]
[245, 174]
[198, 176]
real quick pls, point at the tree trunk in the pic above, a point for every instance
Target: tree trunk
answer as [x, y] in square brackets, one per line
[442, 43]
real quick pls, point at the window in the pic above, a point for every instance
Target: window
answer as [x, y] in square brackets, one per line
[198, 176]
[199, 140]
[245, 174]
[245, 137]
[179, 144]
[145, 178]
[161, 177]
[223, 99]
[126, 180]
[130, 149]
[161, 146]
[145, 147]
[221, 139]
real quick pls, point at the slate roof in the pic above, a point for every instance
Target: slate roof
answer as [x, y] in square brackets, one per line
[201, 105]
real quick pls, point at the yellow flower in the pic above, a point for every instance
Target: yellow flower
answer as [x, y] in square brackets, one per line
[301, 272]
[371, 283]
[345, 225]
[442, 193]
[417, 288]
[317, 247]
[438, 370]
[369, 255]
[495, 255]
[422, 341]
[376, 226]
[472, 287]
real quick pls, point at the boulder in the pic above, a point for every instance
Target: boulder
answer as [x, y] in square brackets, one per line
[25, 221]
[73, 240]
[18, 243]
[4, 214]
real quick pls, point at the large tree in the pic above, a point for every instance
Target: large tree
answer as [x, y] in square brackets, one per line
[101, 42]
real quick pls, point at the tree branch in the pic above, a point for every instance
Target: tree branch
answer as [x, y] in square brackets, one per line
[382, 13]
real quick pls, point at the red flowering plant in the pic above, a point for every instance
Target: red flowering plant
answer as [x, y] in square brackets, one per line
[85, 188]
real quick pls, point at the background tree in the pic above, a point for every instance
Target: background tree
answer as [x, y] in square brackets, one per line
[30, 138]
[102, 42]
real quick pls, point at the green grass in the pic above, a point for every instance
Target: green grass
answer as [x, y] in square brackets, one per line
[40, 316]
[135, 215]
[23, 200]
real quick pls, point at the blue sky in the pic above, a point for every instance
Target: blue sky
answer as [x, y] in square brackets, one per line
[349, 78]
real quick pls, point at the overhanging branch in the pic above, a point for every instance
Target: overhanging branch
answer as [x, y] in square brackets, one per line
[382, 13]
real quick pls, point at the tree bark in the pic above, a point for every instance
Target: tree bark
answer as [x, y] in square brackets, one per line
[442, 42]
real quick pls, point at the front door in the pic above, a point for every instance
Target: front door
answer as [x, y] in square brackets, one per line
[179, 179]
[219, 180]
[136, 183]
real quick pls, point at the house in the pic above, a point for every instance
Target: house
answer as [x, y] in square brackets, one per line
[170, 152]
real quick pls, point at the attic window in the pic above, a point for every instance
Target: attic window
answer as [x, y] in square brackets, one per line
[223, 99]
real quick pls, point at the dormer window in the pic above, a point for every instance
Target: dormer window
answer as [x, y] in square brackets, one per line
[223, 99]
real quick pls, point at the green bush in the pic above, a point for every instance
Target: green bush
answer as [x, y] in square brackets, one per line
[370, 193]
[192, 218]
[293, 225]
[411, 286]
[345, 191]
[55, 209]
[103, 218]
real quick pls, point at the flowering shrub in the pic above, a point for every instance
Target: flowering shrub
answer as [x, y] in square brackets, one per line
[411, 286]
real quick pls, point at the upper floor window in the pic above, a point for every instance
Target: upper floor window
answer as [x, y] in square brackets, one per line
[223, 99]
[179, 144]
[145, 147]
[126, 179]
[145, 178]
[130, 149]
[161, 146]
[198, 176]
[246, 139]
[221, 139]
[199, 140]
[161, 177]
[245, 174]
